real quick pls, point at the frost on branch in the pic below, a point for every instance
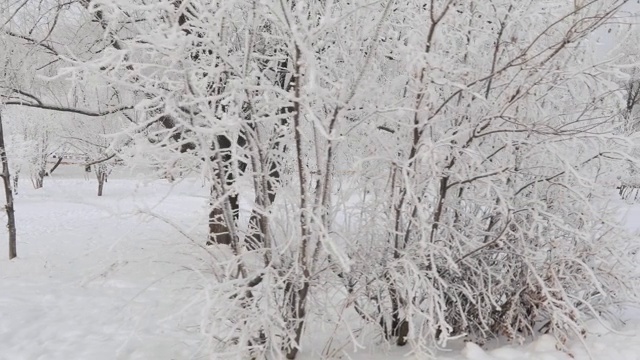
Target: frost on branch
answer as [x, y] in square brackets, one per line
[414, 172]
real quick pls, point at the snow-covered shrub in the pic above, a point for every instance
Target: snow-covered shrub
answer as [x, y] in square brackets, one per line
[432, 165]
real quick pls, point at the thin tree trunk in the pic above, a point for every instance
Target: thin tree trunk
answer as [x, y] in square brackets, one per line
[100, 185]
[297, 301]
[298, 297]
[11, 221]
[101, 174]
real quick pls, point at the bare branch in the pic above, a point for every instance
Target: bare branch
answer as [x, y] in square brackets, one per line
[69, 110]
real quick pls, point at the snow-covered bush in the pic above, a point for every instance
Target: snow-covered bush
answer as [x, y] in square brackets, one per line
[431, 165]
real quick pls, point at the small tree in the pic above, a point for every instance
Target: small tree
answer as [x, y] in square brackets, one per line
[6, 178]
[91, 137]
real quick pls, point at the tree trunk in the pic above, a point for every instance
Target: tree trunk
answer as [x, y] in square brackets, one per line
[101, 174]
[38, 179]
[399, 325]
[297, 301]
[100, 185]
[218, 227]
[11, 221]
[257, 230]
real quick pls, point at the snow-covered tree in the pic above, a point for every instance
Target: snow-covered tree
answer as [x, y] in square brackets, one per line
[433, 166]
[92, 138]
[31, 142]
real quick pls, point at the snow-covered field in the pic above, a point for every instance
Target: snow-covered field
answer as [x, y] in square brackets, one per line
[109, 278]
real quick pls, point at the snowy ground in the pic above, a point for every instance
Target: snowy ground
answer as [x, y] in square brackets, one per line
[103, 278]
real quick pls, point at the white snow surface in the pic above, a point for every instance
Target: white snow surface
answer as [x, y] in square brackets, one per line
[108, 278]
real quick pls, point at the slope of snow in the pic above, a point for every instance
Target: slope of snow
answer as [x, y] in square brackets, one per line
[108, 278]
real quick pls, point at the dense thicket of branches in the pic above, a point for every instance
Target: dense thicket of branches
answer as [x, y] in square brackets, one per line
[425, 169]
